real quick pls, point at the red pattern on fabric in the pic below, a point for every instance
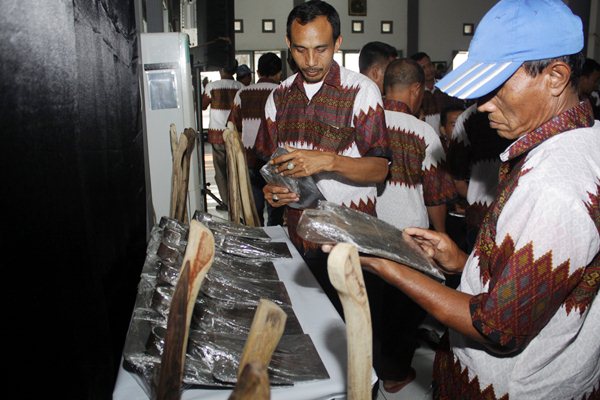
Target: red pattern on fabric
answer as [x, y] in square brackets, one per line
[502, 315]
[452, 381]
[475, 213]
[220, 99]
[577, 117]
[438, 186]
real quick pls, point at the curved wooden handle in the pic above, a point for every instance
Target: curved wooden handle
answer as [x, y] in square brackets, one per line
[197, 261]
[265, 332]
[253, 384]
[346, 276]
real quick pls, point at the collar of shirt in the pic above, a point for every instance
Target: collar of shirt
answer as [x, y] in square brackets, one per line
[268, 80]
[580, 116]
[332, 78]
[396, 105]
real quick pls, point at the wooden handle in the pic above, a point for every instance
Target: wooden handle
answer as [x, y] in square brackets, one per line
[346, 276]
[247, 198]
[182, 190]
[174, 177]
[253, 384]
[197, 261]
[265, 332]
[232, 178]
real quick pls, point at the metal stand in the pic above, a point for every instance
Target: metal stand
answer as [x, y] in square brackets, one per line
[202, 137]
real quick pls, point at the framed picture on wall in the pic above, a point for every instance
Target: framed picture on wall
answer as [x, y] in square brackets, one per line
[357, 7]
[358, 26]
[268, 25]
[238, 25]
[387, 27]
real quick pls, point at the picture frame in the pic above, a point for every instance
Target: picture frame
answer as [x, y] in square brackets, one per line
[357, 26]
[357, 7]
[268, 26]
[387, 27]
[238, 25]
[468, 29]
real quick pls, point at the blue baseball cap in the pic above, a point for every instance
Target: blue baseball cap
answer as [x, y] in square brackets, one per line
[510, 33]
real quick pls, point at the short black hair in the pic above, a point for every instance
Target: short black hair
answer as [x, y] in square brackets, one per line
[448, 109]
[403, 71]
[589, 66]
[269, 64]
[374, 53]
[306, 12]
[419, 56]
[231, 67]
[574, 61]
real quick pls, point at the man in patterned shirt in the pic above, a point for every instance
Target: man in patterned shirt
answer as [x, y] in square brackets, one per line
[331, 120]
[524, 319]
[219, 96]
[247, 114]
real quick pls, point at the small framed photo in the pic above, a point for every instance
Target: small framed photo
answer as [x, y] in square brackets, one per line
[387, 26]
[358, 26]
[468, 29]
[268, 25]
[357, 7]
[238, 25]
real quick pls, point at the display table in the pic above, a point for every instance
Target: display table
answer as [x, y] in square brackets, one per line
[318, 318]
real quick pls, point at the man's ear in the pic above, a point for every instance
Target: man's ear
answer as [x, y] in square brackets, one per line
[287, 41]
[559, 75]
[337, 44]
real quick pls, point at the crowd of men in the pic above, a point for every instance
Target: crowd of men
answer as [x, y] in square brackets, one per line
[494, 170]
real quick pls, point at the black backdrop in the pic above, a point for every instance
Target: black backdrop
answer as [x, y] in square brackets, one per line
[73, 208]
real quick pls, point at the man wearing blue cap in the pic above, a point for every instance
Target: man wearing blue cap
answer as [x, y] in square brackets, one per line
[524, 322]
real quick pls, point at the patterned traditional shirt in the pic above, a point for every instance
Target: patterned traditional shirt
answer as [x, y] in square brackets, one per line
[249, 111]
[535, 272]
[345, 116]
[220, 95]
[417, 178]
[474, 156]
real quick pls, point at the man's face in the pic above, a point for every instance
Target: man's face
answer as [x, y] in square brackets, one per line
[428, 68]
[520, 105]
[451, 118]
[312, 48]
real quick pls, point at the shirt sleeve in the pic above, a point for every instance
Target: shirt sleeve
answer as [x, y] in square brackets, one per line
[266, 138]
[369, 123]
[545, 242]
[438, 186]
[235, 115]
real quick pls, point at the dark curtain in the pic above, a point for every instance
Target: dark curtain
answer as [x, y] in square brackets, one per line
[73, 193]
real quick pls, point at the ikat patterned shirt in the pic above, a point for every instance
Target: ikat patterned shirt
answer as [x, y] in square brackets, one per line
[417, 178]
[248, 112]
[220, 95]
[534, 274]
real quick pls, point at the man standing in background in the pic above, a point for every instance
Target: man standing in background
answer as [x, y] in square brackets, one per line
[247, 114]
[219, 96]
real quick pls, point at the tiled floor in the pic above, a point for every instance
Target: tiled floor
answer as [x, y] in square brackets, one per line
[420, 388]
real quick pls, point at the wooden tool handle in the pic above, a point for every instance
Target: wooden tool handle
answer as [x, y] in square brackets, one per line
[253, 384]
[197, 261]
[346, 276]
[265, 332]
[232, 178]
[247, 198]
[182, 190]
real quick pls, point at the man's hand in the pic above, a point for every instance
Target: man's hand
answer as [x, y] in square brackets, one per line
[440, 247]
[278, 196]
[300, 163]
